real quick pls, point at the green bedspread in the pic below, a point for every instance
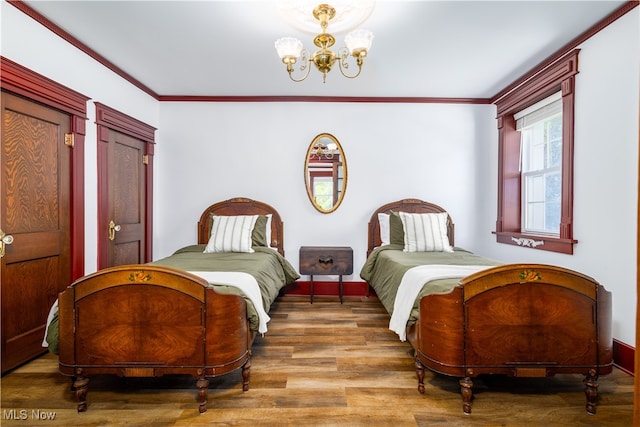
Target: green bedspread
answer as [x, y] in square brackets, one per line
[270, 269]
[386, 265]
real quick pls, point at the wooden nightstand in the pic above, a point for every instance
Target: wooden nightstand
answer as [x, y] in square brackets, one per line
[326, 260]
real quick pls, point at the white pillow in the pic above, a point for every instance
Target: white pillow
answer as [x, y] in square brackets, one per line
[425, 232]
[383, 220]
[231, 233]
[269, 230]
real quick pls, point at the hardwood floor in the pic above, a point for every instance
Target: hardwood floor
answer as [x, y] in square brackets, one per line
[324, 364]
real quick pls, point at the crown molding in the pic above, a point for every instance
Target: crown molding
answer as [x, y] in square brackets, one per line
[26, 9]
[354, 99]
[593, 30]
[615, 15]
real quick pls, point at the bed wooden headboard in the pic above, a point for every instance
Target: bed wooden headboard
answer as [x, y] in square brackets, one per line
[404, 205]
[243, 206]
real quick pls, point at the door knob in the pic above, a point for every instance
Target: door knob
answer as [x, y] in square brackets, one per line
[5, 239]
[113, 227]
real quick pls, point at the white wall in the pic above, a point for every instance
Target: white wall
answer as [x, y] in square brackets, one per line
[606, 173]
[213, 151]
[31, 45]
[446, 154]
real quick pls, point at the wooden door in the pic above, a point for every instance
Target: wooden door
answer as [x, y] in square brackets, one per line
[126, 208]
[125, 188]
[35, 211]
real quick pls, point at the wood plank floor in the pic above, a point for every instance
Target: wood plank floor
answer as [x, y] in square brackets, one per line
[324, 364]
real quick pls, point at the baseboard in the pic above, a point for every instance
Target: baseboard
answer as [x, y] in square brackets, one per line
[623, 357]
[328, 288]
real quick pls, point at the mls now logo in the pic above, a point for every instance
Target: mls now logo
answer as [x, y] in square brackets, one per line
[23, 414]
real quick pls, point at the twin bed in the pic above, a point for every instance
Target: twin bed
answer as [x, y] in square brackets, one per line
[464, 315]
[467, 316]
[167, 317]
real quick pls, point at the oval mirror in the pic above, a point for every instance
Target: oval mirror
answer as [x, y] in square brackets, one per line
[325, 173]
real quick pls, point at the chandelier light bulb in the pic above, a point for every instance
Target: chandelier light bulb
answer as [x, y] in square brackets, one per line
[358, 40]
[288, 46]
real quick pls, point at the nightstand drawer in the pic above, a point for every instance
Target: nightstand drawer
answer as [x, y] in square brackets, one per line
[324, 260]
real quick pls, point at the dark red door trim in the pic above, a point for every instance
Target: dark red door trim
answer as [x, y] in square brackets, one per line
[109, 119]
[20, 80]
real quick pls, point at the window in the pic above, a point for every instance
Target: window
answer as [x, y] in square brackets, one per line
[540, 128]
[322, 184]
[535, 175]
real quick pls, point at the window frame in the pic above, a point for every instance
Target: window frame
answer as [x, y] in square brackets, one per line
[558, 76]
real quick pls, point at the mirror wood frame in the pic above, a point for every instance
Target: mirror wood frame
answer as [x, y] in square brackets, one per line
[343, 160]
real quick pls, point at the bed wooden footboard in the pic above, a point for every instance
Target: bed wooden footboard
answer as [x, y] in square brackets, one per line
[143, 321]
[521, 320]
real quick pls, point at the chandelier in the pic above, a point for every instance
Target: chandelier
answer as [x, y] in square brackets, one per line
[326, 151]
[358, 43]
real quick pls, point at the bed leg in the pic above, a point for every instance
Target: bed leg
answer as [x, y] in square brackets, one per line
[81, 385]
[246, 374]
[591, 391]
[203, 391]
[466, 389]
[420, 375]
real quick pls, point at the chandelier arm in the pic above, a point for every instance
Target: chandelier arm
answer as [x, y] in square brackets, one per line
[304, 64]
[344, 65]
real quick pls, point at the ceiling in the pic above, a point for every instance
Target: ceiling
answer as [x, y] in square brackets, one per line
[440, 49]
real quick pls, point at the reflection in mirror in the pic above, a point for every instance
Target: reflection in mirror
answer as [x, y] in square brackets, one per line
[325, 173]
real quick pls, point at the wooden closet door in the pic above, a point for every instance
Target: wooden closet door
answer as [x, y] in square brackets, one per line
[127, 199]
[125, 188]
[35, 210]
